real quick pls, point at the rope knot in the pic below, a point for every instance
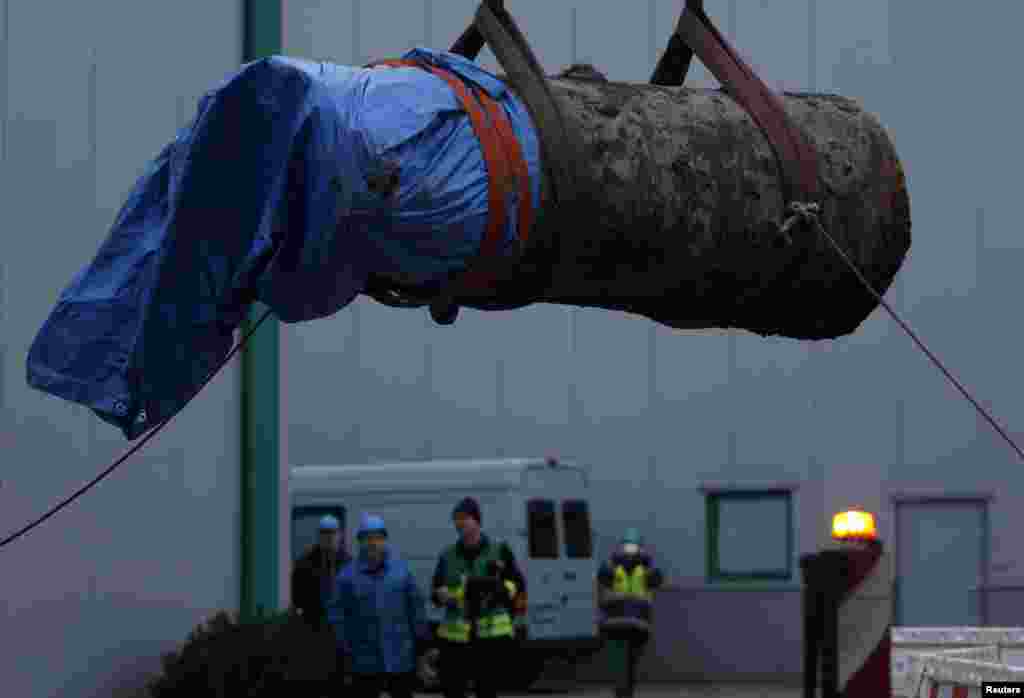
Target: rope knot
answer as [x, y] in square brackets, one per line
[799, 212]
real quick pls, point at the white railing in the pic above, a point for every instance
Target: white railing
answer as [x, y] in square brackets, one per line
[927, 657]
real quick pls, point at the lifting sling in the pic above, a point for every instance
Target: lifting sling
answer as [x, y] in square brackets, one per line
[695, 34]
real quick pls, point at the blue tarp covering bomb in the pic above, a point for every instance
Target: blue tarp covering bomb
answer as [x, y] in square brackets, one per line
[265, 196]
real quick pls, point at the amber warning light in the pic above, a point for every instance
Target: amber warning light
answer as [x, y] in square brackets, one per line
[854, 525]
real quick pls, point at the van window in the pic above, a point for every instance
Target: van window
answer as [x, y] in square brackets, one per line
[576, 524]
[306, 525]
[543, 529]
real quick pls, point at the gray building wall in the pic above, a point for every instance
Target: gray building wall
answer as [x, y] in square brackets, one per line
[658, 413]
[120, 575]
[88, 600]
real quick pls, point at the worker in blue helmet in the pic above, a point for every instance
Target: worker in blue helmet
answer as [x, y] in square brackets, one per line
[626, 582]
[379, 616]
[314, 572]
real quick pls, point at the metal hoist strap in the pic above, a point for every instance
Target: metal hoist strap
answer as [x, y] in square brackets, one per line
[503, 157]
[696, 34]
[559, 144]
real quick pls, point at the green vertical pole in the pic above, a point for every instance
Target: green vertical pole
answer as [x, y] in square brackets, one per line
[262, 21]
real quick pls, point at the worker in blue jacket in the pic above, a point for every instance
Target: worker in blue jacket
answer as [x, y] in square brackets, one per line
[379, 616]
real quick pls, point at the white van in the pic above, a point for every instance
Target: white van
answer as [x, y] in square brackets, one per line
[538, 506]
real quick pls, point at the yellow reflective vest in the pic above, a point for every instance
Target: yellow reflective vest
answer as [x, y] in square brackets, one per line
[494, 621]
[628, 600]
[631, 583]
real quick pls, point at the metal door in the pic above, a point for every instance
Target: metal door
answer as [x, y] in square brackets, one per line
[941, 553]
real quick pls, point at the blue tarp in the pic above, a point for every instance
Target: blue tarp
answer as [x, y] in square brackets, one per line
[265, 196]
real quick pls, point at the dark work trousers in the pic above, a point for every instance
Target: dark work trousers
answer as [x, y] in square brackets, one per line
[483, 662]
[372, 685]
[341, 674]
[626, 648]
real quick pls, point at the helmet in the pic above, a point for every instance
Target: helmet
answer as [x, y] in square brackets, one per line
[329, 523]
[371, 523]
[632, 536]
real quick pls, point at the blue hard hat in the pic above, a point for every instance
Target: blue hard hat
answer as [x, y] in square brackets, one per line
[371, 523]
[329, 523]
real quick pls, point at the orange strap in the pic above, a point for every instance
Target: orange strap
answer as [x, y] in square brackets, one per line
[503, 157]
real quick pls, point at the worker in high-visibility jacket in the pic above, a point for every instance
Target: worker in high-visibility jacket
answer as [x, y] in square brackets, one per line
[477, 582]
[626, 582]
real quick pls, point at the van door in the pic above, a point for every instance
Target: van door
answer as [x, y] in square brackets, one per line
[579, 603]
[542, 568]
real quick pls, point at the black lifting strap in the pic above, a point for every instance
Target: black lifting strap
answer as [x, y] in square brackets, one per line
[559, 144]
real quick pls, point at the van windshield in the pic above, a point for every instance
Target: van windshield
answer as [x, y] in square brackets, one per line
[576, 523]
[543, 529]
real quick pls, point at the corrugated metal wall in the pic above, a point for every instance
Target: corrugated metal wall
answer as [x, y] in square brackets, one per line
[92, 91]
[655, 412]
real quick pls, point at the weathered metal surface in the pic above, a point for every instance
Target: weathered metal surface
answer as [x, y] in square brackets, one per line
[683, 198]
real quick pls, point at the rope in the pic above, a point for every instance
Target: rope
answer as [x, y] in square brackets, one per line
[150, 434]
[809, 212]
[799, 212]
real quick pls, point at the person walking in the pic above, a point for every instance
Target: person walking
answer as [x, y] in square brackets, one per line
[314, 573]
[476, 581]
[379, 616]
[626, 582]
